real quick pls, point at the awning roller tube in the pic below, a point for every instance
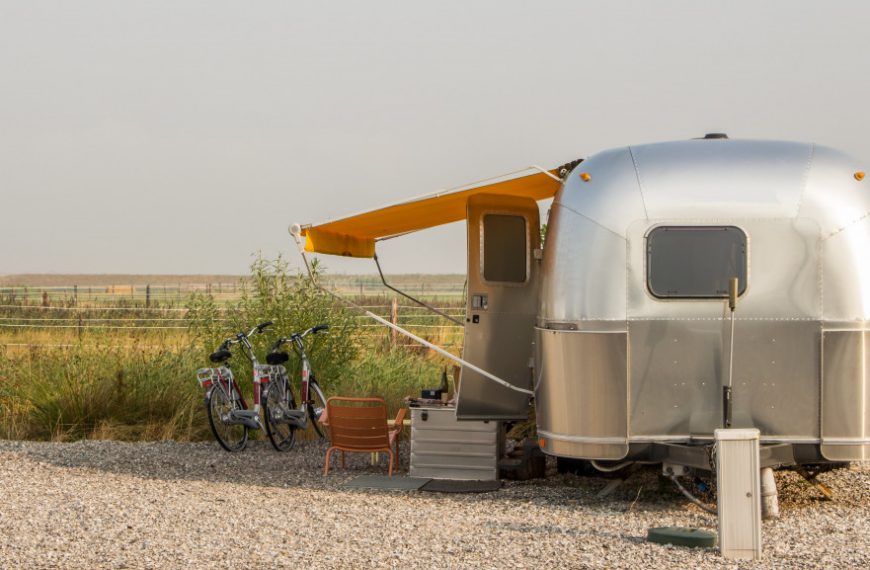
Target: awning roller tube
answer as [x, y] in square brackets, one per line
[355, 236]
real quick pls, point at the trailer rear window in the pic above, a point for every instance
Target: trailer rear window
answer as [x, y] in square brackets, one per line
[504, 248]
[695, 262]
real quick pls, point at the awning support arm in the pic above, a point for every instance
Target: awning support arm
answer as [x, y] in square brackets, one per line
[547, 172]
[419, 302]
[407, 333]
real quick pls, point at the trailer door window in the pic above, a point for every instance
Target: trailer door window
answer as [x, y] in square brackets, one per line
[504, 248]
[695, 261]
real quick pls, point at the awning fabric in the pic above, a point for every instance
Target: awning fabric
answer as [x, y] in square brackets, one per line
[355, 236]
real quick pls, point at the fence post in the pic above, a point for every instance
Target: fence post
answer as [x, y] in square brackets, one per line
[394, 318]
[147, 295]
[45, 298]
[75, 295]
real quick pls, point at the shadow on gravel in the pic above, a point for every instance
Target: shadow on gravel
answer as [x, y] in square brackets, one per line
[643, 490]
[302, 467]
[259, 464]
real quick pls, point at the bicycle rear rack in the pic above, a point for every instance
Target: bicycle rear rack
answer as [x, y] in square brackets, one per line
[271, 371]
[209, 376]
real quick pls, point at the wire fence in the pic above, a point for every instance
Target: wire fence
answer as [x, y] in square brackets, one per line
[154, 316]
[21, 318]
[167, 292]
[184, 323]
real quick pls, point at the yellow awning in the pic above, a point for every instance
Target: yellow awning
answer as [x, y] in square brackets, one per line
[355, 236]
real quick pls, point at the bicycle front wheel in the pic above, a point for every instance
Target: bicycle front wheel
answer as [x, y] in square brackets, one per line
[316, 406]
[278, 402]
[232, 437]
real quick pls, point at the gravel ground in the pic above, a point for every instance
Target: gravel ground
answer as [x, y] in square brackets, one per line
[178, 505]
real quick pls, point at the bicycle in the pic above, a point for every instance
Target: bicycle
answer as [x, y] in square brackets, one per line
[228, 412]
[283, 417]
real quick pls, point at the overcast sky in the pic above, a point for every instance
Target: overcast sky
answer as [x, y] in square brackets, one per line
[182, 136]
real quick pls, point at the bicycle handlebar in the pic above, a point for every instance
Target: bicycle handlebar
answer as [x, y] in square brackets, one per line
[263, 326]
[244, 335]
[256, 330]
[284, 340]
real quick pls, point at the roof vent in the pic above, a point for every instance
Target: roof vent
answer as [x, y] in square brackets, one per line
[713, 136]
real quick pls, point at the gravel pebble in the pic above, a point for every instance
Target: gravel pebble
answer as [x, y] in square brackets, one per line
[102, 504]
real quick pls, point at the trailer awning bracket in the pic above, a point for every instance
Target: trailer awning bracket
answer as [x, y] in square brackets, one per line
[415, 300]
[488, 375]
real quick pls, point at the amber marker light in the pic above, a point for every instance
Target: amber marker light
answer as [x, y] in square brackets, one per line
[542, 443]
[859, 176]
[585, 176]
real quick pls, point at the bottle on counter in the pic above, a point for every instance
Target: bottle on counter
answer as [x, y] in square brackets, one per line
[445, 387]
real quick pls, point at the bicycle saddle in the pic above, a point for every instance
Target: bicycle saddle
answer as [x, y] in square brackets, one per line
[277, 357]
[220, 356]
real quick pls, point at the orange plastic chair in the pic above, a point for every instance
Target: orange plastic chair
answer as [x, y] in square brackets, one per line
[359, 425]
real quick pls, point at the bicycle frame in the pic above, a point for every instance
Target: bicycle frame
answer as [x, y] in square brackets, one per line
[223, 378]
[306, 370]
[307, 374]
[257, 375]
[301, 422]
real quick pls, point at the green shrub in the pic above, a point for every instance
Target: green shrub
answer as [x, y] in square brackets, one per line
[294, 305]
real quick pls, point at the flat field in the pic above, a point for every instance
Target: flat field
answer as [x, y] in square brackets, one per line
[174, 289]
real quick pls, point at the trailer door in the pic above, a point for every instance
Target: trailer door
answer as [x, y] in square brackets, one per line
[503, 237]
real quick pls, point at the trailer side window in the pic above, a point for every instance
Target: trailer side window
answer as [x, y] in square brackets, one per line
[504, 248]
[695, 262]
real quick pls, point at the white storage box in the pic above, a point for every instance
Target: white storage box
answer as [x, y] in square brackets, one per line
[739, 501]
[444, 448]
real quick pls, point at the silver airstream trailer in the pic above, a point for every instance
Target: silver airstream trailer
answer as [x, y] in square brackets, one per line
[621, 326]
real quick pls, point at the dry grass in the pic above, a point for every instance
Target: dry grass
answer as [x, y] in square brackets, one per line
[117, 375]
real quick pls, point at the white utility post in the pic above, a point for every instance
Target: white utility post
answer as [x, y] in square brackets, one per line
[739, 489]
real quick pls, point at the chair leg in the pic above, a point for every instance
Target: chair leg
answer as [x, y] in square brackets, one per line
[390, 451]
[326, 463]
